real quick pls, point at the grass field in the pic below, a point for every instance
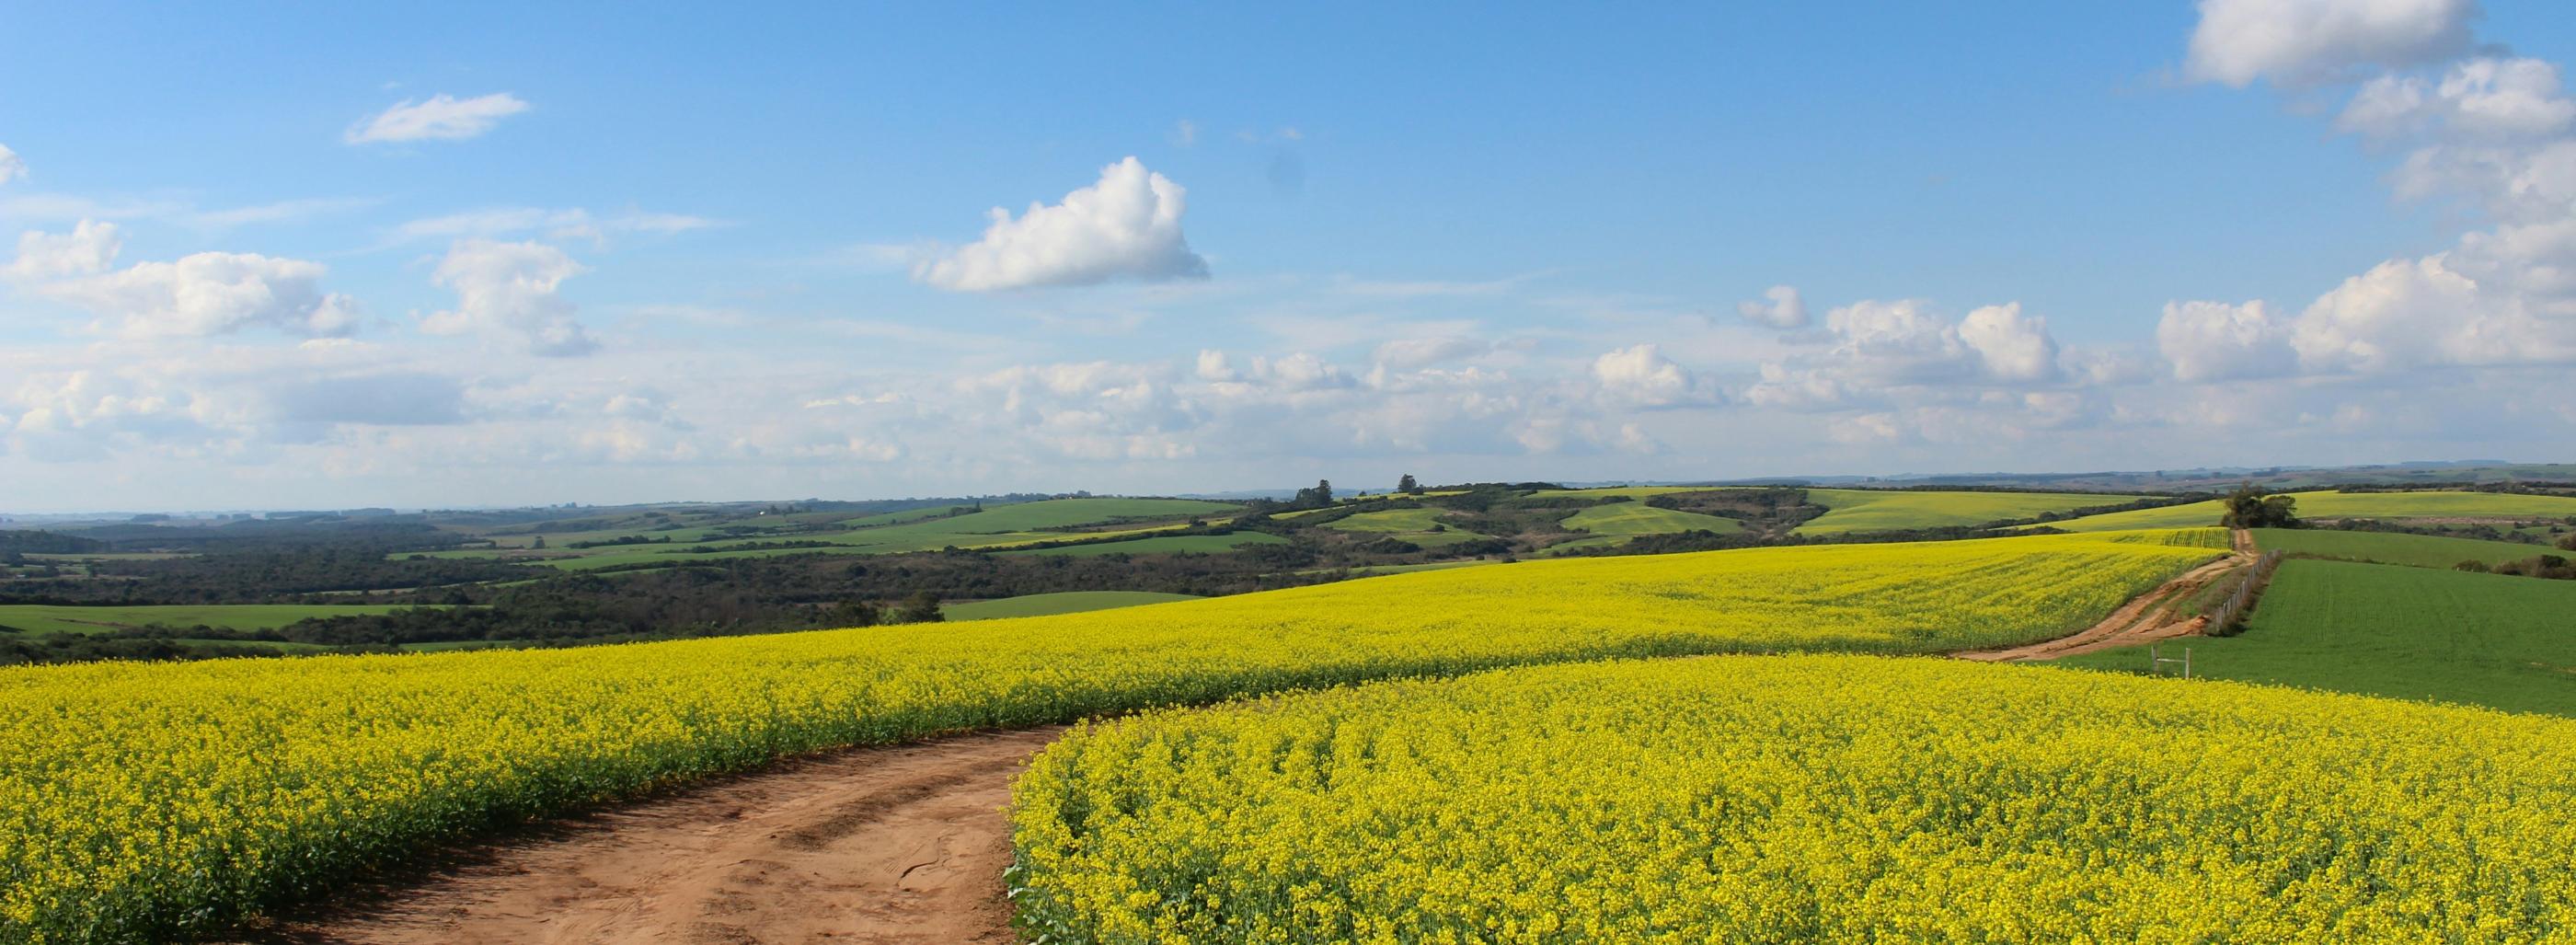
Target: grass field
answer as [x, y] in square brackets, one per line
[1066, 602]
[1413, 525]
[2395, 506]
[48, 618]
[1638, 518]
[996, 527]
[1164, 545]
[1802, 799]
[1634, 492]
[2389, 630]
[1872, 510]
[2422, 551]
[154, 802]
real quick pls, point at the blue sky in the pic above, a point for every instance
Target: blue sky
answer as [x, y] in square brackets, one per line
[618, 253]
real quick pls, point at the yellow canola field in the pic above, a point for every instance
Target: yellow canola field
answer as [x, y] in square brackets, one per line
[143, 802]
[1804, 798]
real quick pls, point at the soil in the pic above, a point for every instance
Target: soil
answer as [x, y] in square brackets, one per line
[895, 845]
[2139, 621]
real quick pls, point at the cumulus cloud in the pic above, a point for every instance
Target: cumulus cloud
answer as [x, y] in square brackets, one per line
[510, 290]
[1127, 225]
[1641, 376]
[198, 295]
[2011, 346]
[1876, 346]
[2484, 98]
[2307, 42]
[12, 166]
[2216, 341]
[89, 248]
[1779, 307]
[438, 118]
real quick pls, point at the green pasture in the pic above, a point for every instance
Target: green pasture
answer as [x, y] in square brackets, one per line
[2422, 551]
[1638, 518]
[1066, 602]
[1878, 510]
[1159, 545]
[2392, 506]
[2390, 630]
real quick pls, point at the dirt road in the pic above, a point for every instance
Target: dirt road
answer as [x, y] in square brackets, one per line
[892, 845]
[879, 845]
[2138, 621]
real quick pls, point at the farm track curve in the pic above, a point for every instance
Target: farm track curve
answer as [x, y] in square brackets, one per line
[2141, 620]
[898, 845]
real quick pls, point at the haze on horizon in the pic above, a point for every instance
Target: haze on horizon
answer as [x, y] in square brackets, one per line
[349, 257]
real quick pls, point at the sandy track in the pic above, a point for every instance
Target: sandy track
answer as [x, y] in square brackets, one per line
[898, 845]
[903, 844]
[2138, 621]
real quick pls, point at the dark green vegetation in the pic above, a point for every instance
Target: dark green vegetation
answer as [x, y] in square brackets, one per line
[566, 576]
[2404, 632]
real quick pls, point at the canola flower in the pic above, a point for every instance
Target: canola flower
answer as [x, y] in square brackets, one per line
[1802, 798]
[152, 802]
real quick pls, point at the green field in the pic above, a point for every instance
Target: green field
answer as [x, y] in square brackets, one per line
[1632, 492]
[1000, 526]
[1160, 545]
[50, 618]
[2388, 630]
[2334, 505]
[2422, 551]
[1638, 518]
[1067, 602]
[1413, 525]
[1878, 510]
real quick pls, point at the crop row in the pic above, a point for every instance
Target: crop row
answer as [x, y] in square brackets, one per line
[1798, 799]
[152, 802]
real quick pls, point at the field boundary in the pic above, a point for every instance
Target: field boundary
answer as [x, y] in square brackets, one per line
[2138, 621]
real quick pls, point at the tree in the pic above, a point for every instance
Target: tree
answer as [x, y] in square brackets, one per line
[2567, 544]
[1319, 496]
[2249, 507]
[921, 607]
[1406, 485]
[537, 544]
[852, 613]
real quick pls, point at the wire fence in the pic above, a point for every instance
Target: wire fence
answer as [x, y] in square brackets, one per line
[2228, 618]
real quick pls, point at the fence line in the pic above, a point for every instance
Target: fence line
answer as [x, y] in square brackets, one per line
[2223, 620]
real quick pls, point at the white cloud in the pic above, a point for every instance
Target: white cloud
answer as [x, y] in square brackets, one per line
[1185, 133]
[510, 290]
[564, 224]
[12, 166]
[1878, 346]
[1128, 225]
[2307, 42]
[2479, 99]
[438, 118]
[2013, 347]
[1405, 354]
[2215, 341]
[1780, 307]
[1640, 375]
[203, 294]
[89, 248]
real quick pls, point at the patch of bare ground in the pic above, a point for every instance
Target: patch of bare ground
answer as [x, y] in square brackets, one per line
[2144, 619]
[901, 844]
